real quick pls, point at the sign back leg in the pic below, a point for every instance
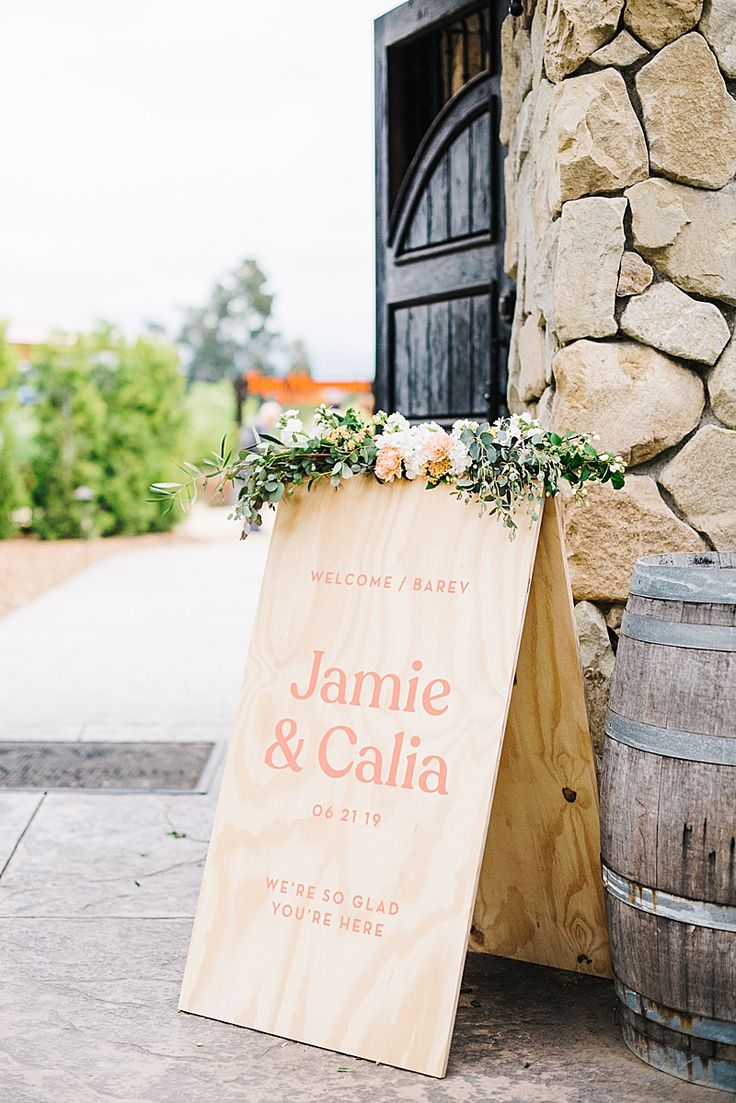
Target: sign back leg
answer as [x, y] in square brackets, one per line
[540, 896]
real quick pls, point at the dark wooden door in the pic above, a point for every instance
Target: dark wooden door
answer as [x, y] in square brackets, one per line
[442, 298]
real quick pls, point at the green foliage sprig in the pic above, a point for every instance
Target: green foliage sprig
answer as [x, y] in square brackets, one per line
[495, 466]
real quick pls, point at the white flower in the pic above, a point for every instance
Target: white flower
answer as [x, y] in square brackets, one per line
[532, 426]
[324, 417]
[396, 423]
[459, 456]
[463, 423]
[514, 428]
[291, 430]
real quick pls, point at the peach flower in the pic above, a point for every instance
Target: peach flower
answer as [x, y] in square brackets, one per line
[437, 452]
[388, 463]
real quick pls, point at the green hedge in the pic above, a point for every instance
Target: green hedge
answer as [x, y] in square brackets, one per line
[109, 422]
[9, 491]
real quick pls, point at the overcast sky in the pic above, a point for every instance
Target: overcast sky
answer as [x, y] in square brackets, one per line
[152, 144]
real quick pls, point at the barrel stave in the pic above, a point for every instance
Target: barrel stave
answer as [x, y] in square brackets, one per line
[696, 840]
[679, 965]
[723, 615]
[672, 827]
[683, 612]
[630, 781]
[702, 1047]
[677, 687]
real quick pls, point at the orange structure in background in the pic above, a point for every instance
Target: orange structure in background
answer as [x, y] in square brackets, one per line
[299, 389]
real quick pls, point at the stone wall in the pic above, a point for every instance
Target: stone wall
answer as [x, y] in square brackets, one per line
[620, 121]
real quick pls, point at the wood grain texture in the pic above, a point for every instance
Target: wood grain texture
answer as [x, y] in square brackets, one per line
[677, 687]
[669, 823]
[391, 998]
[540, 895]
[683, 612]
[630, 781]
[442, 358]
[459, 362]
[682, 966]
[455, 199]
[460, 186]
[480, 172]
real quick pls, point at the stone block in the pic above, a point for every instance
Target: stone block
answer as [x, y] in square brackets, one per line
[532, 376]
[574, 30]
[516, 74]
[620, 52]
[544, 407]
[634, 275]
[658, 22]
[596, 143]
[689, 117]
[589, 252]
[722, 386]
[718, 25]
[702, 481]
[636, 399]
[689, 235]
[613, 529]
[596, 657]
[669, 320]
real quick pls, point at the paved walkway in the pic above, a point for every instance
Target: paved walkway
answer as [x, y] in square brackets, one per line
[97, 892]
[145, 642]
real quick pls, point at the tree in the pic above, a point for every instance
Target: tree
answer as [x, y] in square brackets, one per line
[299, 359]
[232, 333]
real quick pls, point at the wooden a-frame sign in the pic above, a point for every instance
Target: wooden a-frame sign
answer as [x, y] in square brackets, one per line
[411, 756]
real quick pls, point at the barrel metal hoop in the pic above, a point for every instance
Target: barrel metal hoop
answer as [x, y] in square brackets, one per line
[701, 637]
[713, 586]
[715, 1030]
[700, 913]
[711, 1072]
[716, 749]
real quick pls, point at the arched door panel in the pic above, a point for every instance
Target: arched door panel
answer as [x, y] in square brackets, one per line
[439, 213]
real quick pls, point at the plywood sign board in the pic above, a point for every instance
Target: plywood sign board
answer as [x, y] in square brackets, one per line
[350, 830]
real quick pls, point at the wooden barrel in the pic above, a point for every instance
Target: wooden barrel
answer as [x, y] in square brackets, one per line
[668, 804]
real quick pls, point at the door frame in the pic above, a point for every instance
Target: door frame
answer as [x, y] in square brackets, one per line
[399, 26]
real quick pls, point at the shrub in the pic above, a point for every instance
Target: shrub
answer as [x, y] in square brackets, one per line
[144, 396]
[70, 441]
[9, 494]
[108, 420]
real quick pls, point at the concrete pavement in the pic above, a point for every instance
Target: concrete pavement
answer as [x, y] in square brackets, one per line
[97, 892]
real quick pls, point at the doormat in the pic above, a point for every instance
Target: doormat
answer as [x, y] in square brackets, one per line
[108, 767]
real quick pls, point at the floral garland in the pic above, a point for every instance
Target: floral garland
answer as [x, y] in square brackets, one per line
[496, 466]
